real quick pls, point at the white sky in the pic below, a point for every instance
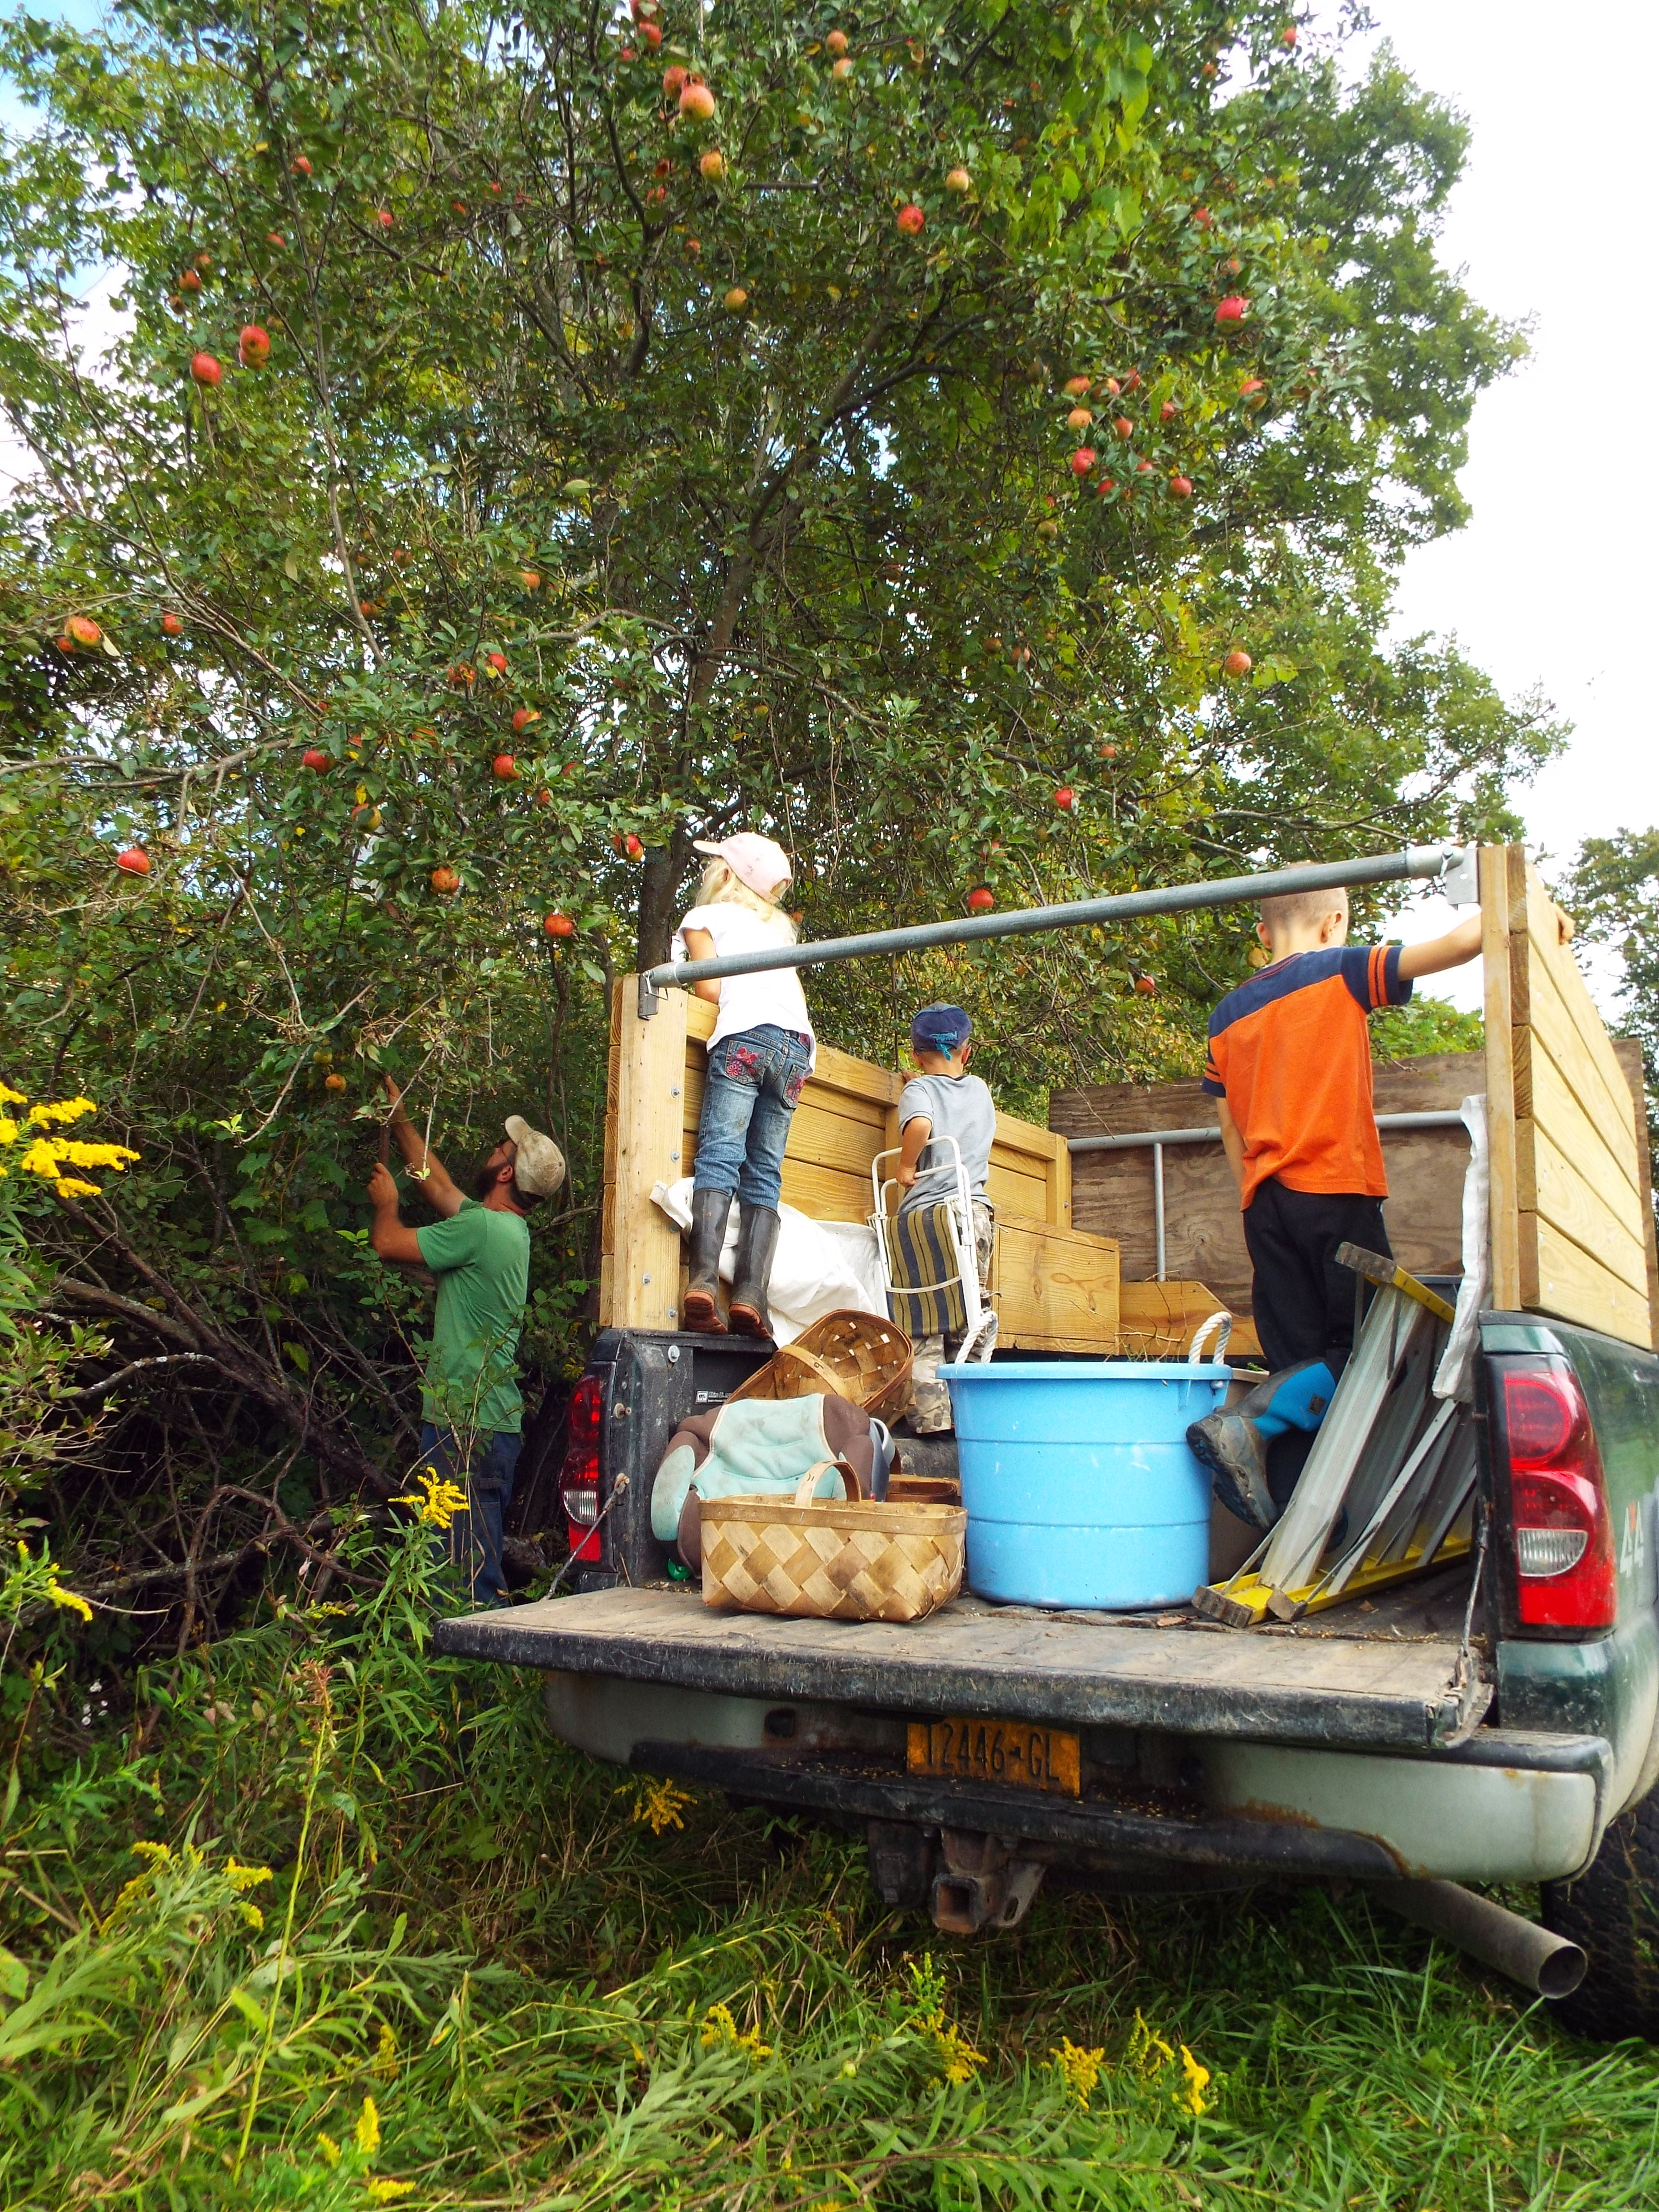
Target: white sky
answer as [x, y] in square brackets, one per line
[1552, 585]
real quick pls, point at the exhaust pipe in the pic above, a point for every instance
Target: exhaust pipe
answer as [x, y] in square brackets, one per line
[1519, 1949]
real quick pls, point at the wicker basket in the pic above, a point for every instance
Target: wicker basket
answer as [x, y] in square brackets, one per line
[825, 1560]
[847, 1355]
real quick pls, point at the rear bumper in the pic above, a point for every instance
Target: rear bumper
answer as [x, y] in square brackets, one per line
[1499, 1808]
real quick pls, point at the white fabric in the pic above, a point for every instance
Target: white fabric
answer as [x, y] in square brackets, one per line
[747, 1001]
[820, 1267]
[1454, 1376]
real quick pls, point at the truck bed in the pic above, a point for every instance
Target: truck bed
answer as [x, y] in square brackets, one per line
[1390, 1681]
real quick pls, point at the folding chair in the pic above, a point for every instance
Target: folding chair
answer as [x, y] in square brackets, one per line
[929, 1270]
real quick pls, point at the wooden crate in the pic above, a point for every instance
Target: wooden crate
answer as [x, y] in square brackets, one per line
[1571, 1214]
[1055, 1290]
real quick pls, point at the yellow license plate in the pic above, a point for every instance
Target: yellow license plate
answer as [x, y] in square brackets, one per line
[996, 1751]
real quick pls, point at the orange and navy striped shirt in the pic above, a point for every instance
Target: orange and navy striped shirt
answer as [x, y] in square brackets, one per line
[1290, 1054]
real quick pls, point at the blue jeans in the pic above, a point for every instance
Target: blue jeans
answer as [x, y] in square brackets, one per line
[474, 1538]
[754, 1082]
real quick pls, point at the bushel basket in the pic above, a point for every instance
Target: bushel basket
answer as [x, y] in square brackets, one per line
[824, 1560]
[848, 1354]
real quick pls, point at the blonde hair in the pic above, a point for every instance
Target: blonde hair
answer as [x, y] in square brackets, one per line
[1301, 910]
[721, 886]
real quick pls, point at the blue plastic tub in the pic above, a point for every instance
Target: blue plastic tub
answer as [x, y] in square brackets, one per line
[1077, 1481]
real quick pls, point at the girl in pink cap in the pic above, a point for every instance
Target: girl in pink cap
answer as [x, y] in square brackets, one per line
[759, 1058]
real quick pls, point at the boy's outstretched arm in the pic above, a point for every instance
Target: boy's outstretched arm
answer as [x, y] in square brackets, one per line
[912, 1145]
[1450, 951]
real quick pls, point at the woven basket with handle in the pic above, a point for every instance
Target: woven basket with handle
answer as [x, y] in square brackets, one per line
[846, 1354]
[828, 1560]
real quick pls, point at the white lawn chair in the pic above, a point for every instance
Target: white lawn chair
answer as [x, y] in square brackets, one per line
[929, 1269]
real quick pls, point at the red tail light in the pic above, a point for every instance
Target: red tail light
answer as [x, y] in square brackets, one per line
[579, 1478]
[1563, 1563]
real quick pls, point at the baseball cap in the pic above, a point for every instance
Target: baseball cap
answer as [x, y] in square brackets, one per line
[752, 858]
[940, 1029]
[538, 1170]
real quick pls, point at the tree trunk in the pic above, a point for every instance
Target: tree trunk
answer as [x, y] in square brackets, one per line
[665, 865]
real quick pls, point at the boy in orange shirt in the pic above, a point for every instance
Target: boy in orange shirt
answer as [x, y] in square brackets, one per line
[1289, 1069]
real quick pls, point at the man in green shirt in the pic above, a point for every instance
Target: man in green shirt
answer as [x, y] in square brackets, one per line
[479, 1251]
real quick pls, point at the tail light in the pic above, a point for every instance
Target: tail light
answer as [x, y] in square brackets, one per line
[1564, 1563]
[579, 1478]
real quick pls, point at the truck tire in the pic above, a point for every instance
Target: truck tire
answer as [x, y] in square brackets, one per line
[1612, 1911]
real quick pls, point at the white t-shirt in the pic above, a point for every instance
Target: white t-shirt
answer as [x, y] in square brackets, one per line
[748, 1001]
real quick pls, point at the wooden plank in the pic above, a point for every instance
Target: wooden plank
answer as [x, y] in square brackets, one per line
[1546, 1101]
[642, 1288]
[1629, 1055]
[1602, 1099]
[1505, 1212]
[1555, 1188]
[1010, 1661]
[1559, 965]
[1156, 1320]
[1557, 1278]
[1054, 1285]
[825, 1193]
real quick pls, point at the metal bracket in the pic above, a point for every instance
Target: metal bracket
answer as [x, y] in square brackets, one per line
[648, 996]
[982, 1884]
[1460, 877]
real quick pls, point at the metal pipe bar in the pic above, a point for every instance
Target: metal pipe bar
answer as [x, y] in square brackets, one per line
[1136, 1139]
[1157, 1203]
[1414, 861]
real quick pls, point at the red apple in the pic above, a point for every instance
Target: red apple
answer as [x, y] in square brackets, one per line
[696, 100]
[190, 281]
[1079, 418]
[1233, 309]
[366, 817]
[1132, 381]
[275, 238]
[1113, 386]
[383, 217]
[1082, 460]
[1250, 384]
[673, 82]
[301, 167]
[1166, 412]
[1065, 798]
[1182, 487]
[981, 899]
[1288, 35]
[958, 181]
[1146, 986]
[558, 925]
[1201, 217]
[837, 43]
[504, 767]
[524, 716]
[736, 299]
[205, 370]
[711, 165]
[1105, 485]
[652, 36]
[135, 859]
[254, 346]
[498, 662]
[693, 246]
[1238, 663]
[445, 882]
[81, 629]
[1075, 386]
[170, 625]
[316, 760]
[1143, 468]
[910, 219]
[530, 579]
[633, 848]
[841, 71]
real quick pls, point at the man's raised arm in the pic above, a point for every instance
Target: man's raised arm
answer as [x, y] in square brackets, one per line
[437, 1187]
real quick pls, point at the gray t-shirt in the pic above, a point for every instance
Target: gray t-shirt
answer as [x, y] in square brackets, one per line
[959, 1106]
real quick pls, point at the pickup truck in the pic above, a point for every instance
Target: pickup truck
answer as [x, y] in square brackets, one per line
[1494, 1719]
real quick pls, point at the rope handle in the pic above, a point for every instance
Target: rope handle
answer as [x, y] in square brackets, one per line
[1224, 1322]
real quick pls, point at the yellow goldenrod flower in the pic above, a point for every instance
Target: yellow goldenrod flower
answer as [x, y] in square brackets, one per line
[387, 2191]
[8, 1130]
[659, 1805]
[1148, 2052]
[368, 2135]
[440, 1501]
[245, 1877]
[1078, 2068]
[92, 1156]
[329, 2149]
[157, 1854]
[719, 2031]
[46, 1111]
[252, 1916]
[72, 1187]
[385, 2068]
[69, 1600]
[1198, 2081]
[10, 1097]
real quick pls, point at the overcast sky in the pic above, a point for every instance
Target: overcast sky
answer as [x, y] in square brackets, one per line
[1552, 584]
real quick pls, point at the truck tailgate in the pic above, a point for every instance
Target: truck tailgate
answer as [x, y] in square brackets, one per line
[1008, 1662]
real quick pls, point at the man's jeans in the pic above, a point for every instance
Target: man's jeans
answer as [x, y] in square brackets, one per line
[475, 1536]
[754, 1085]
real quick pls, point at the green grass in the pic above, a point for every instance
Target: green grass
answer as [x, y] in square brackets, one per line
[481, 1979]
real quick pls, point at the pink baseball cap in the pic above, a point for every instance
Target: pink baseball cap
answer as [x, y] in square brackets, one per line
[752, 858]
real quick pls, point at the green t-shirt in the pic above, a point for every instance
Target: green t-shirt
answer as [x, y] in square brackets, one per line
[481, 1261]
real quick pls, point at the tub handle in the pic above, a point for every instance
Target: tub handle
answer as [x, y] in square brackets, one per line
[1224, 1323]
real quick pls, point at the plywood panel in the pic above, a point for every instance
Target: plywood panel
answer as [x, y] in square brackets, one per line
[641, 1289]
[1553, 1188]
[1497, 865]
[1552, 1107]
[1600, 1091]
[1559, 1279]
[1156, 1321]
[1628, 1053]
[1554, 965]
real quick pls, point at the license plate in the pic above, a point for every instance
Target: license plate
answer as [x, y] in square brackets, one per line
[996, 1751]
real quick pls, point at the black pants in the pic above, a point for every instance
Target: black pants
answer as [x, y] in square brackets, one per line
[1304, 1301]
